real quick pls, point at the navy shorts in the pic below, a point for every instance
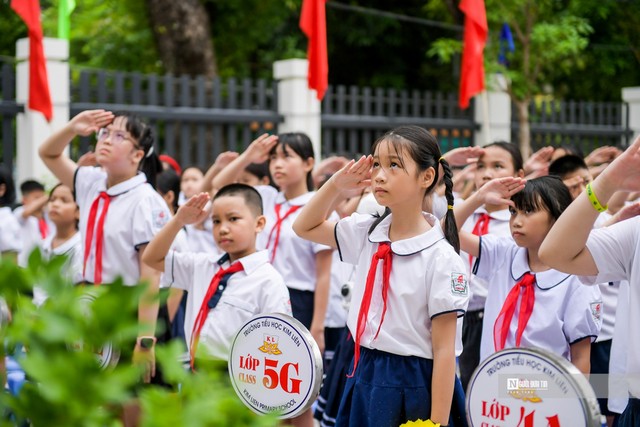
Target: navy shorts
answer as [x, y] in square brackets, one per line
[388, 390]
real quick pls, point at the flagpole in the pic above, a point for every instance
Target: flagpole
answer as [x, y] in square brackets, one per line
[486, 124]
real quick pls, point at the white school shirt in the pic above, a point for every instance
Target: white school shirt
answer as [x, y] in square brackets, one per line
[295, 257]
[616, 253]
[617, 381]
[179, 244]
[259, 288]
[498, 226]
[30, 234]
[427, 279]
[72, 268]
[10, 239]
[341, 273]
[136, 213]
[609, 291]
[564, 311]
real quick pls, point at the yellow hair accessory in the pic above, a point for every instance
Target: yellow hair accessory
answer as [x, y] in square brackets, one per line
[450, 207]
[441, 159]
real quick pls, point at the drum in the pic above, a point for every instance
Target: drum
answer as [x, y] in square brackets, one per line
[106, 355]
[530, 388]
[275, 365]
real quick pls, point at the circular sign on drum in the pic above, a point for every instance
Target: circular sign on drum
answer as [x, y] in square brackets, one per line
[106, 355]
[530, 388]
[275, 365]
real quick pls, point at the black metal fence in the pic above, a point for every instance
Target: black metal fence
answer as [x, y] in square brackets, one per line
[195, 119]
[582, 124]
[353, 117]
[9, 110]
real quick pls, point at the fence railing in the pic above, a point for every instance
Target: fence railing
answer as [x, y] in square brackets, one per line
[9, 110]
[353, 117]
[582, 124]
[195, 119]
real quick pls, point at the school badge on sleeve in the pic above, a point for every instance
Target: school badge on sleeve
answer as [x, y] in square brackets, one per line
[275, 365]
[459, 284]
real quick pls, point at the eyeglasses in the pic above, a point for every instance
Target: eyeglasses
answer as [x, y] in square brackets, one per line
[116, 136]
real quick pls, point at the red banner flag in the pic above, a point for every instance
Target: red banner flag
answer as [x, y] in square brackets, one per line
[475, 38]
[313, 24]
[39, 96]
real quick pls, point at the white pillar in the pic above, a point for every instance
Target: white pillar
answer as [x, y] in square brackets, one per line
[631, 95]
[32, 127]
[493, 112]
[296, 102]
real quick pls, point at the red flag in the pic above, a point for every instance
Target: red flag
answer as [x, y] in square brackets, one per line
[475, 38]
[39, 96]
[313, 24]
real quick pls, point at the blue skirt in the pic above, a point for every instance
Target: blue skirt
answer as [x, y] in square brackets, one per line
[388, 390]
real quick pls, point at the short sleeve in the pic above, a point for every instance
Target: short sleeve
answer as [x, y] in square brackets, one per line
[495, 251]
[584, 313]
[85, 177]
[448, 285]
[277, 299]
[613, 249]
[317, 247]
[351, 234]
[150, 216]
[179, 268]
[268, 194]
[10, 239]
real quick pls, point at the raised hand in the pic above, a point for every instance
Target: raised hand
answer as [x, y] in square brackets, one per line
[539, 161]
[623, 174]
[604, 154]
[258, 151]
[90, 121]
[355, 175]
[499, 191]
[628, 211]
[194, 210]
[225, 158]
[463, 155]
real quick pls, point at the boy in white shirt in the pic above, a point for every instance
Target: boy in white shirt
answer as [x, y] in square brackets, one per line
[34, 223]
[222, 293]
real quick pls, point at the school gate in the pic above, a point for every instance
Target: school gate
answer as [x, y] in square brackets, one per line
[196, 118]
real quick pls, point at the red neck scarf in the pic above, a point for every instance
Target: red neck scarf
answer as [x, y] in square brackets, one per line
[503, 321]
[384, 253]
[43, 227]
[480, 229]
[277, 226]
[91, 225]
[204, 307]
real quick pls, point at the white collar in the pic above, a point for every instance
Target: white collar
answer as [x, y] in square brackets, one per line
[296, 201]
[501, 215]
[123, 187]
[411, 245]
[250, 263]
[544, 280]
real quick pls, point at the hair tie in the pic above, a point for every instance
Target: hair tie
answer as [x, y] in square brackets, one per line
[441, 159]
[450, 207]
[149, 153]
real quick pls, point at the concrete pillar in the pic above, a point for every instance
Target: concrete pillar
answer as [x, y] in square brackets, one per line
[493, 112]
[32, 127]
[296, 102]
[631, 95]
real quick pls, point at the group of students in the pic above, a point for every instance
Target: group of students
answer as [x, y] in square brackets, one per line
[253, 235]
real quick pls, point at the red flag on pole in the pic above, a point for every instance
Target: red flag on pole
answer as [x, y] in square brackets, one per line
[313, 24]
[475, 38]
[39, 96]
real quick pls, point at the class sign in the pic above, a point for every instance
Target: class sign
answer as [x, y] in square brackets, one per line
[275, 365]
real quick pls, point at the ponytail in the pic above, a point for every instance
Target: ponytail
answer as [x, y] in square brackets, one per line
[151, 165]
[450, 227]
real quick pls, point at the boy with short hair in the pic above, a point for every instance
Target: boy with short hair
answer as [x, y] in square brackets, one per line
[224, 293]
[573, 171]
[34, 224]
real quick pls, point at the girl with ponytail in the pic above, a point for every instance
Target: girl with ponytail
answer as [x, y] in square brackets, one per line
[120, 211]
[410, 287]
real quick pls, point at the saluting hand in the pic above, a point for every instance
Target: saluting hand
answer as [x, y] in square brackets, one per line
[258, 151]
[499, 191]
[194, 210]
[355, 175]
[90, 121]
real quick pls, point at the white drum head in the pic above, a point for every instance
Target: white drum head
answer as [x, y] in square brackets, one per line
[275, 365]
